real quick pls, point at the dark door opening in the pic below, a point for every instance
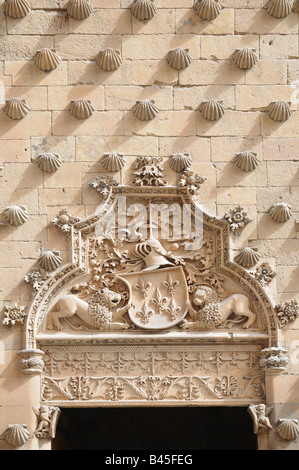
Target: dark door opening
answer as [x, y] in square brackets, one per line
[183, 428]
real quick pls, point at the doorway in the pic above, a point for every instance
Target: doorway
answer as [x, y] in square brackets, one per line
[155, 428]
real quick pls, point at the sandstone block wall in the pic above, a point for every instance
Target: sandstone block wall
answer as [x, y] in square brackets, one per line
[179, 127]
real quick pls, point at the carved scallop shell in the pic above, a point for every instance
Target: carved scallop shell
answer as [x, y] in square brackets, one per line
[17, 434]
[145, 110]
[47, 59]
[16, 108]
[279, 110]
[246, 161]
[288, 429]
[48, 162]
[180, 162]
[16, 8]
[280, 212]
[79, 9]
[248, 257]
[207, 9]
[245, 58]
[109, 60]
[211, 109]
[113, 161]
[16, 215]
[179, 58]
[279, 8]
[144, 9]
[50, 260]
[81, 108]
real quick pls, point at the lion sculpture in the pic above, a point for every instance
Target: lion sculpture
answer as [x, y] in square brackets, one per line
[100, 312]
[214, 312]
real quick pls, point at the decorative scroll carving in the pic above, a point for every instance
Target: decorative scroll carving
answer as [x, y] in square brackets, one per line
[142, 374]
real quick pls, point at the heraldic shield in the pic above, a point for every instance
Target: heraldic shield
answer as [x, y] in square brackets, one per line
[159, 298]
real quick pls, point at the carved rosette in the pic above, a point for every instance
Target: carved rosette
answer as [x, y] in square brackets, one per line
[14, 315]
[31, 361]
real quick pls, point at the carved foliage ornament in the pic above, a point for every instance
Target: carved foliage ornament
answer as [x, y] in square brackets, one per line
[14, 314]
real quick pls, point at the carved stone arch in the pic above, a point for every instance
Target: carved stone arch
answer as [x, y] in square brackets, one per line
[126, 361]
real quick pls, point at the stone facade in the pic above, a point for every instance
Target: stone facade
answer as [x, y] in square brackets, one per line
[50, 184]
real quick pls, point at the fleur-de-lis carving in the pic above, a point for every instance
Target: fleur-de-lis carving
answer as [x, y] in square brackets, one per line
[145, 313]
[173, 310]
[159, 301]
[143, 287]
[171, 285]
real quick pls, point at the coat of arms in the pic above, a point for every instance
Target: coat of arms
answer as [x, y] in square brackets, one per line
[160, 297]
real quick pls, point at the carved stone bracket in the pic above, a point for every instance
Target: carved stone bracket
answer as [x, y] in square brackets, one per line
[274, 359]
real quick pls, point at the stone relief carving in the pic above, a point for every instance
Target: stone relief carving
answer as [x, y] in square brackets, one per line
[109, 60]
[113, 161]
[17, 434]
[144, 10]
[16, 108]
[47, 417]
[214, 312]
[14, 315]
[180, 162]
[245, 58]
[207, 9]
[145, 110]
[79, 9]
[274, 359]
[246, 161]
[179, 58]
[16, 215]
[248, 257]
[279, 110]
[99, 312]
[31, 361]
[16, 8]
[287, 312]
[47, 59]
[238, 219]
[279, 8]
[50, 260]
[81, 108]
[64, 220]
[288, 429]
[148, 171]
[212, 110]
[280, 212]
[142, 374]
[48, 162]
[260, 416]
[264, 274]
